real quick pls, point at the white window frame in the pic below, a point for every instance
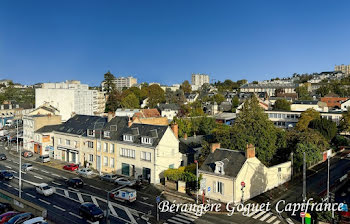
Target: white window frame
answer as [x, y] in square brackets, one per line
[128, 138]
[146, 156]
[91, 132]
[107, 134]
[111, 164]
[128, 153]
[105, 161]
[91, 157]
[111, 148]
[90, 144]
[98, 146]
[146, 140]
[67, 141]
[105, 147]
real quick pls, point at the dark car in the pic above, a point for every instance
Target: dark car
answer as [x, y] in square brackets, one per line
[27, 154]
[3, 156]
[20, 218]
[6, 175]
[5, 207]
[75, 182]
[7, 216]
[3, 138]
[91, 212]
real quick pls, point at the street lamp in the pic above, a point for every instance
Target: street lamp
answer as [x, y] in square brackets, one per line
[196, 162]
[101, 127]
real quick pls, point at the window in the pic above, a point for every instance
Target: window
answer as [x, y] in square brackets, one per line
[130, 153]
[111, 148]
[111, 163]
[107, 134]
[90, 144]
[91, 158]
[105, 147]
[128, 138]
[75, 144]
[146, 156]
[218, 187]
[67, 142]
[146, 140]
[91, 133]
[105, 161]
[98, 146]
[171, 166]
[60, 141]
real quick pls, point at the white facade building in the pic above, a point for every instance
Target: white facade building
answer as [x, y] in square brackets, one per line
[122, 82]
[199, 79]
[70, 97]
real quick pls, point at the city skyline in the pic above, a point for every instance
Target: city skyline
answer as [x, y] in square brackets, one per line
[167, 42]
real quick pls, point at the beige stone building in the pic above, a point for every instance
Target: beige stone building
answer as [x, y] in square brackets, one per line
[342, 68]
[224, 171]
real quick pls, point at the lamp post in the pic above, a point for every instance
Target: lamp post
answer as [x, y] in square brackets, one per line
[197, 179]
[100, 138]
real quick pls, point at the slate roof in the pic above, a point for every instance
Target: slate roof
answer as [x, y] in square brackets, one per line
[115, 127]
[48, 128]
[233, 161]
[155, 132]
[169, 106]
[79, 124]
[310, 102]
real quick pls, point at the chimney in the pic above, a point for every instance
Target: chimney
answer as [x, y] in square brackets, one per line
[185, 136]
[110, 116]
[250, 151]
[129, 122]
[175, 128]
[214, 146]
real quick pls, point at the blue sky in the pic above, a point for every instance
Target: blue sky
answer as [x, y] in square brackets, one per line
[165, 41]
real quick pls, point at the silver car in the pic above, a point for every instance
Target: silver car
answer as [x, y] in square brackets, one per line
[109, 177]
[125, 181]
[27, 166]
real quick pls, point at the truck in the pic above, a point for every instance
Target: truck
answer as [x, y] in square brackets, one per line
[125, 194]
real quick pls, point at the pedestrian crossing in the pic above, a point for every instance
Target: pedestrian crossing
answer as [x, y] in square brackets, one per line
[264, 216]
[185, 217]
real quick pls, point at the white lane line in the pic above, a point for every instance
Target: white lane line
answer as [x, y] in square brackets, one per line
[8, 167]
[66, 193]
[111, 208]
[80, 198]
[146, 203]
[131, 217]
[94, 201]
[38, 177]
[265, 216]
[46, 202]
[56, 175]
[259, 214]
[78, 216]
[62, 209]
[13, 171]
[95, 187]
[16, 162]
[181, 220]
[271, 219]
[185, 217]
[30, 195]
[172, 221]
[16, 188]
[56, 183]
[35, 168]
[45, 171]
[70, 188]
[251, 213]
[7, 185]
[277, 222]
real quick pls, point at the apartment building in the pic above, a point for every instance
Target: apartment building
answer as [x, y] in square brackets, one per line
[44, 140]
[121, 82]
[342, 68]
[70, 98]
[199, 79]
[12, 110]
[269, 88]
[303, 105]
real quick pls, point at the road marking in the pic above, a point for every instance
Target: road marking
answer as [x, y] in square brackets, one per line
[46, 202]
[176, 222]
[13, 171]
[78, 216]
[181, 220]
[56, 175]
[112, 209]
[95, 187]
[131, 217]
[70, 188]
[94, 201]
[30, 195]
[38, 177]
[56, 183]
[45, 171]
[62, 209]
[35, 168]
[7, 185]
[8, 167]
[265, 216]
[259, 214]
[80, 198]
[185, 217]
[271, 219]
[277, 222]
[66, 193]
[16, 188]
[252, 213]
[16, 162]
[146, 204]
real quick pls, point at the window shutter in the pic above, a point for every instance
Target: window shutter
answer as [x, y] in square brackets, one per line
[223, 187]
[214, 186]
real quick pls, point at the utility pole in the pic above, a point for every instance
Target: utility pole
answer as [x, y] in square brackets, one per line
[100, 168]
[107, 213]
[328, 180]
[304, 179]
[197, 179]
[291, 156]
[20, 168]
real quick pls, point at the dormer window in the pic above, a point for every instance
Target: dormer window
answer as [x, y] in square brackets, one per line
[106, 134]
[146, 140]
[219, 167]
[128, 138]
[91, 133]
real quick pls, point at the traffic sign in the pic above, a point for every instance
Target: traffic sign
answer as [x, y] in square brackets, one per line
[242, 184]
[209, 189]
[157, 199]
[302, 214]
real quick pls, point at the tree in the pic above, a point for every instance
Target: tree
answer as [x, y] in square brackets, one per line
[345, 122]
[130, 101]
[155, 95]
[309, 136]
[186, 87]
[323, 90]
[326, 127]
[312, 154]
[282, 104]
[109, 85]
[113, 101]
[302, 92]
[218, 98]
[305, 119]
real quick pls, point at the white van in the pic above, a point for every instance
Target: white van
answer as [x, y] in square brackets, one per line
[44, 158]
[125, 194]
[9, 123]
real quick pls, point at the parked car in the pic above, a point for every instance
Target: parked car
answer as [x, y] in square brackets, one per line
[85, 172]
[3, 156]
[71, 167]
[109, 177]
[125, 194]
[37, 220]
[44, 158]
[27, 154]
[6, 175]
[6, 216]
[3, 138]
[75, 182]
[27, 166]
[5, 207]
[91, 212]
[20, 218]
[45, 189]
[125, 181]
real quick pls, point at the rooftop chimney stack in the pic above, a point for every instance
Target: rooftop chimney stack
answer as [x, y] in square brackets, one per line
[129, 122]
[185, 136]
[214, 146]
[175, 128]
[110, 116]
[250, 151]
